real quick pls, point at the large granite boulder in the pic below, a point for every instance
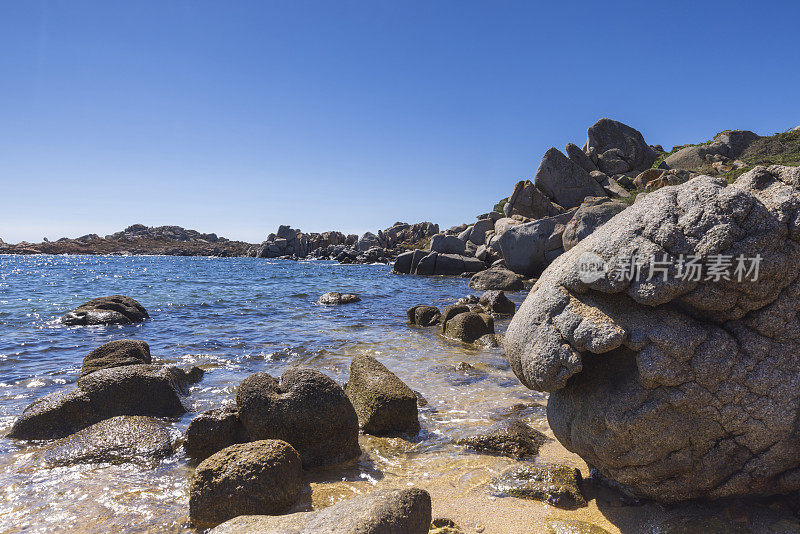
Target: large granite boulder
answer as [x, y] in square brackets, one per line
[563, 181]
[116, 309]
[260, 477]
[130, 390]
[528, 201]
[530, 247]
[447, 244]
[448, 264]
[496, 278]
[122, 439]
[617, 148]
[116, 353]
[304, 408]
[592, 214]
[468, 327]
[400, 511]
[679, 383]
[383, 403]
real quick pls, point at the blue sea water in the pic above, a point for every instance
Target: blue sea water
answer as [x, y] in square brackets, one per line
[232, 317]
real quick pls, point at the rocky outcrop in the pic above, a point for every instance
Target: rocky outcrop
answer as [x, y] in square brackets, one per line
[592, 214]
[260, 477]
[616, 148]
[138, 239]
[496, 278]
[131, 390]
[304, 408]
[116, 309]
[406, 511]
[727, 145]
[693, 376]
[116, 354]
[528, 248]
[509, 438]
[213, 430]
[333, 298]
[383, 403]
[563, 181]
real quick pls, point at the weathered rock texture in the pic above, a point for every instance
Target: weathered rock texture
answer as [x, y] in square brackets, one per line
[116, 309]
[304, 408]
[212, 431]
[406, 511]
[335, 298]
[676, 388]
[383, 403]
[260, 477]
[116, 353]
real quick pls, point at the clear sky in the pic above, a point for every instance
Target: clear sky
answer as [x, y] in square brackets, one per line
[236, 116]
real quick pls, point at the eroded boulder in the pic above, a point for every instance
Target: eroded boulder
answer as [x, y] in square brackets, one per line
[593, 213]
[674, 386]
[468, 327]
[563, 181]
[496, 278]
[116, 353]
[304, 408]
[213, 430]
[617, 148]
[384, 403]
[116, 309]
[260, 477]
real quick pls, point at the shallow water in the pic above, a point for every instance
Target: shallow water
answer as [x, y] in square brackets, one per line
[234, 317]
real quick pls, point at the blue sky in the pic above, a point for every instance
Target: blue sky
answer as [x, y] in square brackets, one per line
[234, 117]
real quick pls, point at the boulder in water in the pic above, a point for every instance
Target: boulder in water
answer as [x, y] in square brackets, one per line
[116, 309]
[116, 354]
[213, 430]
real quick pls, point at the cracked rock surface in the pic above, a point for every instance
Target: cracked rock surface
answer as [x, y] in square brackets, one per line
[677, 388]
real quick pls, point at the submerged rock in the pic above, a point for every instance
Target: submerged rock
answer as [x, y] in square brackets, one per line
[699, 524]
[116, 309]
[496, 278]
[116, 354]
[573, 526]
[469, 327]
[694, 378]
[121, 439]
[213, 430]
[260, 477]
[334, 298]
[510, 438]
[383, 403]
[406, 511]
[131, 390]
[443, 525]
[304, 408]
[558, 485]
[423, 315]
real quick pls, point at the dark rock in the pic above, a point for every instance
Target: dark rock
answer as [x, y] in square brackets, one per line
[696, 380]
[400, 511]
[447, 244]
[557, 485]
[496, 301]
[116, 309]
[116, 354]
[443, 525]
[402, 264]
[496, 278]
[617, 148]
[563, 181]
[334, 298]
[121, 439]
[580, 158]
[696, 524]
[510, 438]
[383, 403]
[468, 327]
[591, 215]
[451, 311]
[213, 430]
[131, 390]
[260, 477]
[423, 315]
[306, 409]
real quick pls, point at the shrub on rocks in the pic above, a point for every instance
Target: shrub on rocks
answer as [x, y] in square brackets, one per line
[383, 403]
[260, 477]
